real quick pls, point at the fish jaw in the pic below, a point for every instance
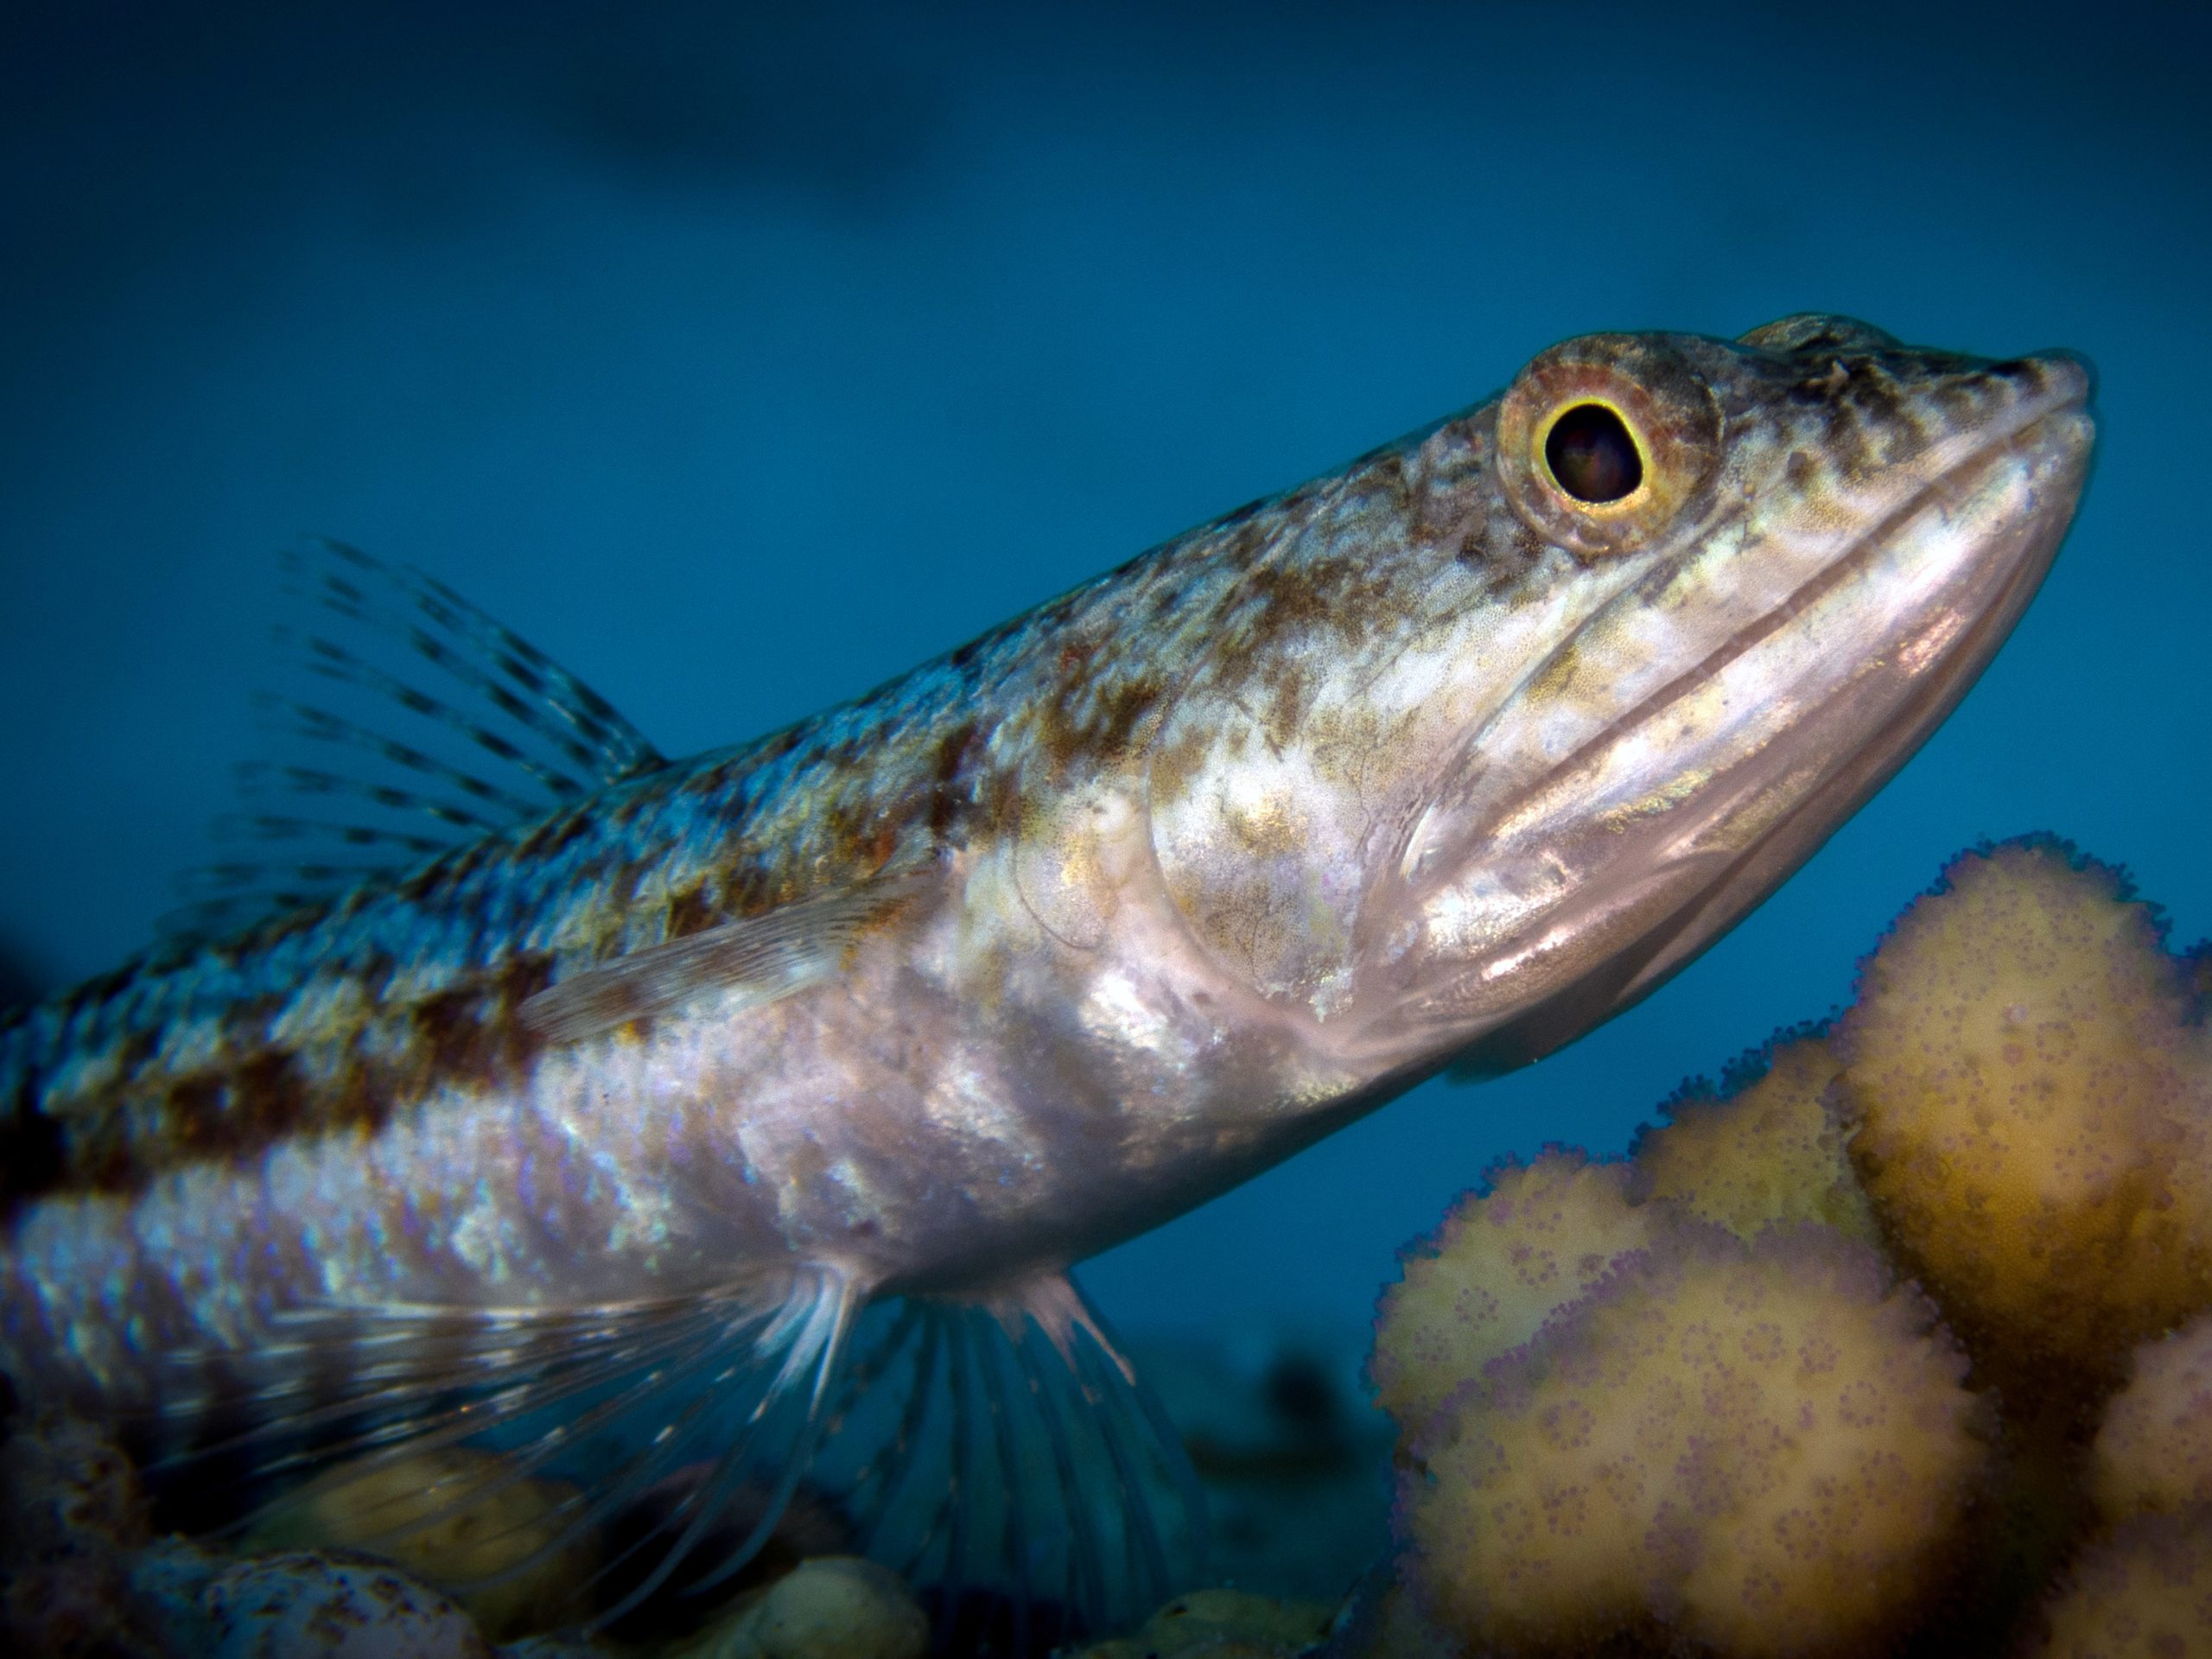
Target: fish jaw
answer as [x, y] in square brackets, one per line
[1697, 737]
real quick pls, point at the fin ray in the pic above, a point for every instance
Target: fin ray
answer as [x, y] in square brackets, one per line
[997, 1446]
[320, 726]
[334, 662]
[762, 959]
[1001, 1451]
[496, 665]
[535, 738]
[633, 1392]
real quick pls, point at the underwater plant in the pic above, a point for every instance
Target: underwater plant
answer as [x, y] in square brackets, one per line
[1901, 1341]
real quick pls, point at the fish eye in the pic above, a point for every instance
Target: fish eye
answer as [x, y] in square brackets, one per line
[1610, 443]
[1592, 454]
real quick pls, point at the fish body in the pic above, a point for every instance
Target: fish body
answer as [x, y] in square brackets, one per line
[1443, 758]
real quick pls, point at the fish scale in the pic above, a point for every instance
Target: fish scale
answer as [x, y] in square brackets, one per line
[1441, 759]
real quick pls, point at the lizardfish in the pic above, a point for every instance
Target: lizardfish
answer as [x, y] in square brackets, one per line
[742, 1117]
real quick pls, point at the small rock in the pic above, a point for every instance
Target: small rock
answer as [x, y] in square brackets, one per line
[307, 1605]
[558, 1647]
[833, 1607]
[1223, 1625]
[68, 1483]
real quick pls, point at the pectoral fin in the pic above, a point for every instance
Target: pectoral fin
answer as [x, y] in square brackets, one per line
[697, 1415]
[999, 1447]
[754, 961]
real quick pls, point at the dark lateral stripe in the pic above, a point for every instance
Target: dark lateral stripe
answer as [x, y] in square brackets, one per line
[152, 1122]
[32, 1154]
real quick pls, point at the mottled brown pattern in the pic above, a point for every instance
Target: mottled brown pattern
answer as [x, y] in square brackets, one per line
[693, 911]
[332, 1019]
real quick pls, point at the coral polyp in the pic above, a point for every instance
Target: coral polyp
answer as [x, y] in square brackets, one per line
[2153, 1450]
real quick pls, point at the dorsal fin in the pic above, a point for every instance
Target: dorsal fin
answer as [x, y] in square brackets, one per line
[485, 731]
[577, 725]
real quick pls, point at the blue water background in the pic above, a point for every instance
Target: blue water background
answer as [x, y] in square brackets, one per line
[743, 358]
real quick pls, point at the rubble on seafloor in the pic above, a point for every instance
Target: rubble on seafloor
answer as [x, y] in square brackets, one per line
[1899, 1341]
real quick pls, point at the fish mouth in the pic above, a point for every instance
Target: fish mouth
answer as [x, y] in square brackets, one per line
[1644, 912]
[1945, 660]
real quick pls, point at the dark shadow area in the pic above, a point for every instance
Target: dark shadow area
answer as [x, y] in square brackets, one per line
[707, 96]
[19, 986]
[135, 129]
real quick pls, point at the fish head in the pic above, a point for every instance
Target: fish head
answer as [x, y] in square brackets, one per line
[1579, 677]
[1776, 564]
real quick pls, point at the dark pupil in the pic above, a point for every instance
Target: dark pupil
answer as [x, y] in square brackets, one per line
[1592, 454]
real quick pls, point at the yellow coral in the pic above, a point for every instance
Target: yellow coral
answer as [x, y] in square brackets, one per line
[1769, 1154]
[2154, 1450]
[2022, 1075]
[1503, 1262]
[1767, 1447]
[457, 1519]
[1696, 1410]
[2143, 1591]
